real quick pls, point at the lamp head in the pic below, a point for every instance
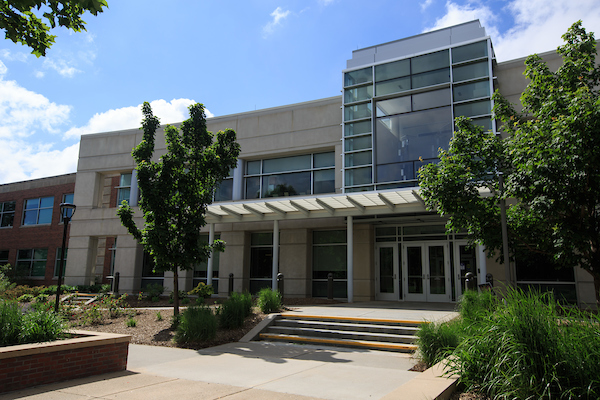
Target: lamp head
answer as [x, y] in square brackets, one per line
[67, 210]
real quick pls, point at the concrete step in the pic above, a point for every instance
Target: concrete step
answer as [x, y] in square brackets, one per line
[341, 334]
[81, 298]
[348, 326]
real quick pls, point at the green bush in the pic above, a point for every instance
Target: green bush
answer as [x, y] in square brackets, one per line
[202, 291]
[5, 282]
[34, 326]
[153, 290]
[197, 324]
[182, 295]
[234, 310]
[475, 306]
[269, 301]
[26, 298]
[11, 321]
[437, 340]
[131, 322]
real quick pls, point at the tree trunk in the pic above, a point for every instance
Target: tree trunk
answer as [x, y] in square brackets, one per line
[176, 291]
[597, 289]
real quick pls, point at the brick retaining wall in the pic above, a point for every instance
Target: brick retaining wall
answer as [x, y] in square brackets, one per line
[37, 364]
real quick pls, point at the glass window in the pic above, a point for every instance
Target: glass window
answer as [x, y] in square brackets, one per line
[38, 211]
[485, 123]
[469, 52]
[396, 172]
[293, 184]
[252, 188]
[261, 261]
[393, 86]
[68, 199]
[472, 109]
[322, 160]
[357, 111]
[356, 159]
[359, 189]
[471, 90]
[253, 167]
[57, 261]
[124, 188]
[224, 191]
[150, 276]
[431, 78]
[329, 256]
[358, 176]
[201, 269]
[429, 62]
[435, 98]
[470, 71]
[324, 181]
[32, 262]
[357, 128]
[359, 76]
[359, 143]
[7, 213]
[406, 137]
[286, 164]
[392, 70]
[358, 94]
[3, 257]
[393, 106]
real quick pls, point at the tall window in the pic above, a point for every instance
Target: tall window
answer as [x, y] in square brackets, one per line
[290, 176]
[224, 191]
[261, 261]
[124, 189]
[32, 262]
[200, 270]
[330, 256]
[57, 261]
[7, 214]
[38, 211]
[3, 257]
[67, 198]
[149, 274]
[113, 257]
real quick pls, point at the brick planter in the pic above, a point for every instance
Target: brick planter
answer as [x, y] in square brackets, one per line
[91, 353]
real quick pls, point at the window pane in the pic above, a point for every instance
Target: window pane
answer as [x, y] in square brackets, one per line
[286, 164]
[431, 78]
[359, 143]
[436, 98]
[286, 184]
[324, 181]
[471, 90]
[471, 71]
[47, 202]
[261, 239]
[32, 203]
[393, 86]
[471, 109]
[9, 206]
[393, 106]
[45, 216]
[356, 128]
[358, 94]
[429, 62]
[406, 137]
[39, 268]
[486, 123]
[385, 231]
[40, 254]
[253, 188]
[125, 180]
[392, 70]
[359, 176]
[395, 172]
[357, 111]
[25, 254]
[329, 237]
[253, 167]
[359, 76]
[356, 159]
[7, 220]
[324, 160]
[359, 189]
[224, 191]
[469, 52]
[328, 259]
[123, 195]
[68, 198]
[30, 217]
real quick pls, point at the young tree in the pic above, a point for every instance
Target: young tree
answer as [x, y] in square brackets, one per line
[176, 189]
[21, 24]
[550, 161]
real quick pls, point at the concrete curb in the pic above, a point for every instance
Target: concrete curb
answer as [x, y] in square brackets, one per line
[431, 384]
[262, 325]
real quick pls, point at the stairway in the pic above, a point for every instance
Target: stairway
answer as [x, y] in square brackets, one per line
[80, 298]
[367, 333]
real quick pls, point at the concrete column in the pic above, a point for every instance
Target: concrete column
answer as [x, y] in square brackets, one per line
[209, 267]
[350, 248]
[275, 254]
[238, 181]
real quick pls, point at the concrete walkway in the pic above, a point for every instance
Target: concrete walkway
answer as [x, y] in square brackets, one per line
[260, 370]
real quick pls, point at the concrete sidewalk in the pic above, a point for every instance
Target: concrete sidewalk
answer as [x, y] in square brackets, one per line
[257, 370]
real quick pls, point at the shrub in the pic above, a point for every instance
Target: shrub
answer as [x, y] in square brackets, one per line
[41, 298]
[197, 324]
[131, 322]
[182, 295]
[26, 298]
[42, 326]
[159, 316]
[91, 315]
[437, 340]
[203, 291]
[153, 290]
[5, 282]
[475, 306]
[234, 310]
[269, 301]
[11, 321]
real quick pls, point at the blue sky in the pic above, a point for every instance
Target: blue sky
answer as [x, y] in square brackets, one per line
[233, 56]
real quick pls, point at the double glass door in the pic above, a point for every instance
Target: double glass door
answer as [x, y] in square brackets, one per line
[413, 272]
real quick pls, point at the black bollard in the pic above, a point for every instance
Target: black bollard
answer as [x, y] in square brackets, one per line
[115, 283]
[280, 285]
[230, 285]
[330, 286]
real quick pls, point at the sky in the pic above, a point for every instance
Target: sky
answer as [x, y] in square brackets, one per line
[232, 56]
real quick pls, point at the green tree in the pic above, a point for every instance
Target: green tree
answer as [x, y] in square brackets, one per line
[176, 189]
[550, 161]
[19, 20]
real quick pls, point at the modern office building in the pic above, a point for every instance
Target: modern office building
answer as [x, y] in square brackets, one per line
[328, 186]
[31, 227]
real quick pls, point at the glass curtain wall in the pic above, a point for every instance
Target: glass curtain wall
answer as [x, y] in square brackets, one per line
[398, 115]
[261, 261]
[329, 256]
[201, 269]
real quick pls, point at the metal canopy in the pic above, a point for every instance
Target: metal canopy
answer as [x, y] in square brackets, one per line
[396, 201]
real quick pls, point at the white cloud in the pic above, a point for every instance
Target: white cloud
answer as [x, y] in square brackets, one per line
[61, 66]
[23, 161]
[538, 24]
[278, 15]
[3, 69]
[23, 112]
[131, 117]
[424, 5]
[9, 56]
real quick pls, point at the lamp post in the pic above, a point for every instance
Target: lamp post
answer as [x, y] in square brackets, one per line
[66, 211]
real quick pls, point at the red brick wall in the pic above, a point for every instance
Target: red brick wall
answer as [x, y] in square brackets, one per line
[35, 236]
[40, 369]
[116, 181]
[110, 241]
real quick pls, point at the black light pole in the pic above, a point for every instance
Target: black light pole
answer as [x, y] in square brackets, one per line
[66, 211]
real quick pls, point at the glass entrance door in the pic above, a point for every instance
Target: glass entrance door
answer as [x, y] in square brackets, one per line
[427, 267]
[465, 261]
[387, 281]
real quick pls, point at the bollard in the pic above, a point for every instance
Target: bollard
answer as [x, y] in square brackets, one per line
[230, 285]
[489, 278]
[115, 283]
[280, 285]
[330, 286]
[470, 283]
